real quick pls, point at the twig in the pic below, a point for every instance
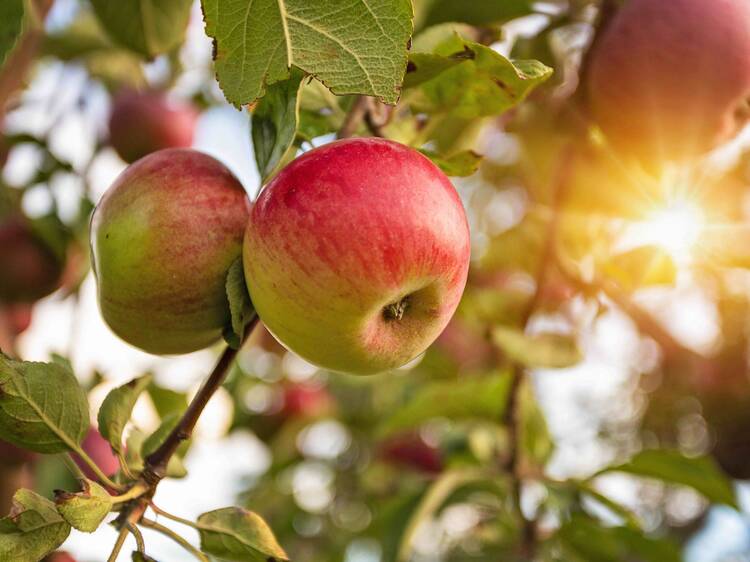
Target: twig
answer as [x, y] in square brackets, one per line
[118, 545]
[174, 518]
[512, 414]
[74, 469]
[140, 545]
[354, 117]
[156, 463]
[148, 523]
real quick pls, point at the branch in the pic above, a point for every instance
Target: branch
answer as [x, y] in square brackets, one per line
[156, 463]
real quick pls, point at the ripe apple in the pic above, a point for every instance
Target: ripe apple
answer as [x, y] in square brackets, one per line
[144, 122]
[409, 450]
[96, 447]
[10, 454]
[356, 255]
[305, 400]
[669, 80]
[163, 238]
[29, 269]
[59, 556]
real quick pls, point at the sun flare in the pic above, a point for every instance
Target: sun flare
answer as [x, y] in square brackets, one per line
[675, 228]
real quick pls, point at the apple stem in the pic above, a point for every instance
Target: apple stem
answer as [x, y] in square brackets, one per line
[396, 310]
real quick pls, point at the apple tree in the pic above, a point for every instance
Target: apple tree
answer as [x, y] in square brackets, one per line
[487, 300]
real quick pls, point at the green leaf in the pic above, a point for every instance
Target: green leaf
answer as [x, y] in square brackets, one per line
[542, 351]
[426, 66]
[42, 407]
[485, 83]
[167, 401]
[84, 510]
[140, 557]
[11, 25]
[356, 47]
[240, 306]
[461, 164]
[33, 528]
[147, 27]
[468, 398]
[234, 533]
[672, 467]
[117, 409]
[641, 267]
[594, 542]
[175, 467]
[274, 123]
[476, 12]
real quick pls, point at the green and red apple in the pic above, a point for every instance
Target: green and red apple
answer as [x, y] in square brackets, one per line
[356, 255]
[670, 80]
[163, 238]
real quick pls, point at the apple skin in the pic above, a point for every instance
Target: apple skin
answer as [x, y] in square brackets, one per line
[670, 80]
[410, 451]
[344, 234]
[10, 454]
[305, 400]
[59, 557]
[96, 447]
[144, 122]
[30, 270]
[163, 238]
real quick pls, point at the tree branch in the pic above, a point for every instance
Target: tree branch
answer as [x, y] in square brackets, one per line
[353, 118]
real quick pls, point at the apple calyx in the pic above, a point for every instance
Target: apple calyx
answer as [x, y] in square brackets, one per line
[396, 310]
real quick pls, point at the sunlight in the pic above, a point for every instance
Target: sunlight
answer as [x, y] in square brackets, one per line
[675, 228]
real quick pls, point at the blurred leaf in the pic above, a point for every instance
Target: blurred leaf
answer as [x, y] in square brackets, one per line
[426, 66]
[11, 26]
[167, 401]
[672, 467]
[461, 164]
[42, 407]
[117, 408]
[175, 468]
[596, 543]
[274, 123]
[482, 85]
[536, 442]
[521, 246]
[467, 398]
[84, 510]
[476, 12]
[147, 27]
[234, 533]
[641, 267]
[541, 351]
[354, 48]
[33, 528]
[241, 308]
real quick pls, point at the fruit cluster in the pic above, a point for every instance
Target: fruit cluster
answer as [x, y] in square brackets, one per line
[355, 255]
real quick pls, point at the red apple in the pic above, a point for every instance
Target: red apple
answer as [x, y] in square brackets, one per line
[163, 238]
[670, 80]
[411, 451]
[356, 255]
[305, 400]
[10, 454]
[144, 122]
[59, 557]
[96, 447]
[29, 270]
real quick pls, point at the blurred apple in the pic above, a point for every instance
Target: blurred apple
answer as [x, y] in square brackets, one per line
[96, 447]
[305, 400]
[10, 454]
[144, 122]
[59, 557]
[410, 451]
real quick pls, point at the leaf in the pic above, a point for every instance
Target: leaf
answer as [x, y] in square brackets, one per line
[594, 542]
[536, 442]
[641, 267]
[234, 533]
[476, 12]
[468, 398]
[11, 26]
[357, 47]
[33, 528]
[117, 408]
[175, 467]
[167, 401]
[140, 557]
[482, 85]
[672, 467]
[42, 407]
[84, 510]
[147, 27]
[426, 66]
[274, 123]
[240, 306]
[542, 351]
[461, 164]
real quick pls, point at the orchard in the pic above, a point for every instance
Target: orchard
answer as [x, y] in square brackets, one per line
[374, 280]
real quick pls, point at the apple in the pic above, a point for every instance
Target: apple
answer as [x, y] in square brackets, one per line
[96, 447]
[410, 450]
[163, 238]
[670, 80]
[30, 269]
[59, 556]
[305, 400]
[356, 255]
[147, 121]
[11, 455]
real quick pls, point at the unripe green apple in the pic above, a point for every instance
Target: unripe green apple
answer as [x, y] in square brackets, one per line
[356, 255]
[670, 79]
[29, 269]
[144, 122]
[163, 238]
